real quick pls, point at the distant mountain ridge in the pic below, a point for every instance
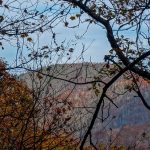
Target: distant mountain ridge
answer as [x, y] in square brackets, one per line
[130, 113]
[128, 103]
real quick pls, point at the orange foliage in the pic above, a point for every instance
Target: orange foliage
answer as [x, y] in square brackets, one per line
[19, 127]
[15, 107]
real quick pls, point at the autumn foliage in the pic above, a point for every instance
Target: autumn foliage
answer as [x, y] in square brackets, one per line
[15, 108]
[22, 124]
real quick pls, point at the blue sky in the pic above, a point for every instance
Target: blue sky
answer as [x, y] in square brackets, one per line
[94, 40]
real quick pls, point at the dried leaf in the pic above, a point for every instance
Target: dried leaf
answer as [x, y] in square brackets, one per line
[72, 17]
[29, 39]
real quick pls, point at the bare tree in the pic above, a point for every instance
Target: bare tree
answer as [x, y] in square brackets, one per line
[126, 23]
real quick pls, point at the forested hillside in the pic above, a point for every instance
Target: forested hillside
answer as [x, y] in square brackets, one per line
[126, 118]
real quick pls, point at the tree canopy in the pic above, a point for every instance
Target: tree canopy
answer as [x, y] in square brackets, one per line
[24, 22]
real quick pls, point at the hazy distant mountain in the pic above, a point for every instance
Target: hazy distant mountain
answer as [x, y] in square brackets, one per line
[131, 119]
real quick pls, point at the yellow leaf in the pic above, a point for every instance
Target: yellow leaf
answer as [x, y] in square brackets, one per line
[23, 35]
[29, 39]
[72, 17]
[78, 15]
